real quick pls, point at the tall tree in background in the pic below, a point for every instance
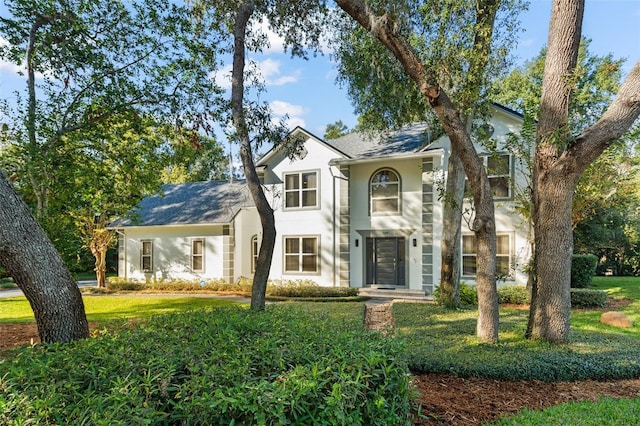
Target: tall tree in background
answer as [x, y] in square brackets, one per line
[397, 27]
[336, 130]
[607, 191]
[560, 159]
[299, 25]
[89, 65]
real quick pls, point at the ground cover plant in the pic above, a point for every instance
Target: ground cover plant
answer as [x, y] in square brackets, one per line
[216, 366]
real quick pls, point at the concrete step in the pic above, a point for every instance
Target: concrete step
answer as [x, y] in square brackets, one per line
[391, 293]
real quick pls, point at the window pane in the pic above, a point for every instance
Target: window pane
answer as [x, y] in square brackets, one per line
[309, 180]
[468, 244]
[468, 265]
[308, 245]
[197, 247]
[146, 263]
[292, 245]
[291, 263]
[502, 265]
[146, 248]
[309, 263]
[498, 165]
[308, 198]
[197, 263]
[499, 186]
[292, 182]
[384, 205]
[292, 199]
[502, 244]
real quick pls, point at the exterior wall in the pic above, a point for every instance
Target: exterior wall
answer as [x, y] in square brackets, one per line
[172, 252]
[320, 222]
[407, 224]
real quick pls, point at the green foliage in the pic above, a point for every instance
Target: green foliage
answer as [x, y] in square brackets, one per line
[335, 130]
[7, 282]
[307, 289]
[468, 295]
[583, 268]
[513, 295]
[224, 366]
[588, 298]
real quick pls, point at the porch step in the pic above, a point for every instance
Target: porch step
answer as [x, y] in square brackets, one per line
[402, 294]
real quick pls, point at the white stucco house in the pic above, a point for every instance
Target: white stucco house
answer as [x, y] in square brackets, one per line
[358, 211]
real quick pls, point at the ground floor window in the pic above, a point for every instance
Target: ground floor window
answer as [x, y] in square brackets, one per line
[301, 254]
[197, 255]
[146, 255]
[503, 254]
[254, 252]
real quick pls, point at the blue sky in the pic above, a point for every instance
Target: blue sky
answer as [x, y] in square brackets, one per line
[307, 92]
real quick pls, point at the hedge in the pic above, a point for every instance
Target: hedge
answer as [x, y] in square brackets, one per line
[583, 268]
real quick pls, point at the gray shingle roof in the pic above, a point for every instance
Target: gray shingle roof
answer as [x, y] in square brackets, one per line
[212, 202]
[408, 139]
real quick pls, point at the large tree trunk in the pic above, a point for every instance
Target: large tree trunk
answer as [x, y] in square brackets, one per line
[451, 232]
[38, 270]
[381, 27]
[263, 265]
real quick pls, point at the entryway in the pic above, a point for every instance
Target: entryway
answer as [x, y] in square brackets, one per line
[385, 262]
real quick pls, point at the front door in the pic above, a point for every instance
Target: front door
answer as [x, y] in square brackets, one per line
[385, 262]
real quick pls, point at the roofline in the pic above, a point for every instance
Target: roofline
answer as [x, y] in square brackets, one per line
[297, 129]
[409, 156]
[510, 111]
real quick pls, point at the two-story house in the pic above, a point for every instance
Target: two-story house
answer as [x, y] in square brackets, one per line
[358, 211]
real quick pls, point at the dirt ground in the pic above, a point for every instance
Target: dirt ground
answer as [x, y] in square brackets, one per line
[447, 399]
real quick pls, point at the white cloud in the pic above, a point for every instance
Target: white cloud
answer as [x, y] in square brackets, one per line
[276, 43]
[294, 113]
[222, 77]
[269, 69]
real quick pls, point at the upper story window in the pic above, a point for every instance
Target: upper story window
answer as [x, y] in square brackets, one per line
[499, 173]
[384, 192]
[301, 190]
[197, 255]
[146, 255]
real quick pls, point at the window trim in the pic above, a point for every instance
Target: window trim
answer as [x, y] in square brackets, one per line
[193, 255]
[510, 237]
[399, 195]
[508, 175]
[300, 255]
[300, 190]
[255, 249]
[143, 256]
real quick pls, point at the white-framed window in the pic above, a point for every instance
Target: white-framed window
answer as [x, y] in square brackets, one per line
[503, 255]
[301, 254]
[499, 173]
[197, 254]
[384, 192]
[301, 190]
[146, 255]
[255, 248]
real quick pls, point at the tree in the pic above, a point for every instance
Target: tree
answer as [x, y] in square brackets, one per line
[37, 268]
[299, 24]
[335, 130]
[98, 63]
[392, 25]
[560, 159]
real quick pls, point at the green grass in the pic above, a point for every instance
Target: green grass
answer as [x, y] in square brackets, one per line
[610, 412]
[106, 308]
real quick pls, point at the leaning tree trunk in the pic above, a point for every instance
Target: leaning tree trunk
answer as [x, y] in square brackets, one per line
[263, 264]
[38, 270]
[451, 230]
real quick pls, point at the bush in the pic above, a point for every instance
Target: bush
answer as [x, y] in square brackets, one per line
[307, 289]
[514, 294]
[468, 295]
[583, 268]
[586, 298]
[224, 366]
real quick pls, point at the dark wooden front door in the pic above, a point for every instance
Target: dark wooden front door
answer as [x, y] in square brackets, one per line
[385, 262]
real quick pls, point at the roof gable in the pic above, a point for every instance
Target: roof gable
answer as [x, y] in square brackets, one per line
[211, 202]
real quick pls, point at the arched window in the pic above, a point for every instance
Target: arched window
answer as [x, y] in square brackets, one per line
[254, 252]
[384, 192]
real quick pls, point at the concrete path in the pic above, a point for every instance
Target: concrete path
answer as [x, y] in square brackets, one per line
[13, 292]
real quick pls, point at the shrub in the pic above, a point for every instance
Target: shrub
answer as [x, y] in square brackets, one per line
[224, 366]
[513, 294]
[583, 268]
[587, 298]
[307, 289]
[468, 295]
[119, 284]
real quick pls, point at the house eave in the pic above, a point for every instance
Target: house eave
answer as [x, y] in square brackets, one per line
[365, 160]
